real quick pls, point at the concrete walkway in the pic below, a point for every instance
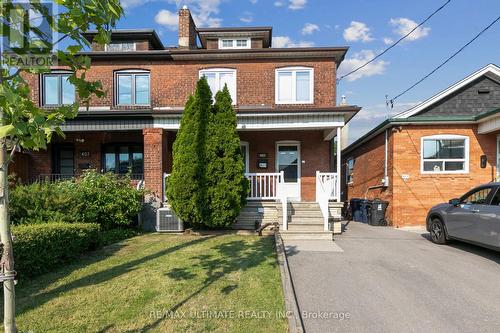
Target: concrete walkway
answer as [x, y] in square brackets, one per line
[379, 279]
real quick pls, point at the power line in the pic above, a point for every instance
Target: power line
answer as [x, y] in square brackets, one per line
[446, 61]
[394, 44]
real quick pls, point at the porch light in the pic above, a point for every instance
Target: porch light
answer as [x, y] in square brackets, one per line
[80, 140]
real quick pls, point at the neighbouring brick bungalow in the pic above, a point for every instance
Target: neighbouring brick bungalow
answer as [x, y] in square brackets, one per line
[433, 152]
[285, 99]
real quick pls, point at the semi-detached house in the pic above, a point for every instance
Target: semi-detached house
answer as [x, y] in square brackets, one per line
[285, 99]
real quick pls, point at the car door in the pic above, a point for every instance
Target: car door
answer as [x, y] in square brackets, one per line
[462, 220]
[487, 228]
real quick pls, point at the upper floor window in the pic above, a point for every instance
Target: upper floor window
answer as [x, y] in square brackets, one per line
[132, 87]
[234, 43]
[120, 47]
[445, 154]
[57, 90]
[218, 77]
[294, 85]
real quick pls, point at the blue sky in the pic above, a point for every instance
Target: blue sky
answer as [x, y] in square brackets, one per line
[363, 25]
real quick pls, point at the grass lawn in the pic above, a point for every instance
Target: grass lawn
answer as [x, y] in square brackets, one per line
[161, 283]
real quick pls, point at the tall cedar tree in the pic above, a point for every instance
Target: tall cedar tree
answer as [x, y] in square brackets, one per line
[186, 187]
[227, 186]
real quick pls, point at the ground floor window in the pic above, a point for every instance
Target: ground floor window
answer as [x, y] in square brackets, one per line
[445, 154]
[123, 158]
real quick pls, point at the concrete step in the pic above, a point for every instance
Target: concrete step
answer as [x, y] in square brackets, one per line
[305, 219]
[307, 213]
[305, 227]
[306, 235]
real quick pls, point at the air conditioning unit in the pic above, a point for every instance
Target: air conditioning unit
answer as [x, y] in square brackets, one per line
[166, 221]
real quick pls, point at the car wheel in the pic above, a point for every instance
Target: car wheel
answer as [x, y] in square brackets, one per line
[438, 234]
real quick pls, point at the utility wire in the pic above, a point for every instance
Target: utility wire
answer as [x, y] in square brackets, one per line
[394, 44]
[445, 62]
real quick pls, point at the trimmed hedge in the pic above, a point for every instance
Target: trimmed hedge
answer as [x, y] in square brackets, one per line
[39, 248]
[106, 199]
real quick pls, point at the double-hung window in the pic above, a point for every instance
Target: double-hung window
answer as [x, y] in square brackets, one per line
[57, 90]
[132, 87]
[218, 77]
[445, 154]
[294, 85]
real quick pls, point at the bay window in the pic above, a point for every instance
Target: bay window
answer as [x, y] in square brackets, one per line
[445, 154]
[294, 85]
[132, 87]
[218, 77]
[57, 90]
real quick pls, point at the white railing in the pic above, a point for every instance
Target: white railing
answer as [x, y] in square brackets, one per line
[326, 190]
[264, 186]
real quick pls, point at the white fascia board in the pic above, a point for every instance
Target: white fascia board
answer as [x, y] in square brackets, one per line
[491, 68]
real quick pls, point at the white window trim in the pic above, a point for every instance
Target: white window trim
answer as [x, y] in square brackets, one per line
[57, 73]
[223, 70]
[347, 173]
[294, 71]
[124, 42]
[222, 47]
[247, 156]
[445, 137]
[131, 72]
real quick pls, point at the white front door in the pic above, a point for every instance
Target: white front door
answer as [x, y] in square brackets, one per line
[288, 161]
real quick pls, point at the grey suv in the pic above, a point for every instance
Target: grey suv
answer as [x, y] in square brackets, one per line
[473, 218]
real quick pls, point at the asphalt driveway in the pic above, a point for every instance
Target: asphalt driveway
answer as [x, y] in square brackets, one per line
[388, 280]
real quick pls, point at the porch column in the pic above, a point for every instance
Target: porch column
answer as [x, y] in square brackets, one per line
[339, 162]
[154, 160]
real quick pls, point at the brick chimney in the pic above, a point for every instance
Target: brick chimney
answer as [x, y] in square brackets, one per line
[187, 30]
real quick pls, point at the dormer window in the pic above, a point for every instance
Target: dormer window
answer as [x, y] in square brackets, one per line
[234, 43]
[120, 46]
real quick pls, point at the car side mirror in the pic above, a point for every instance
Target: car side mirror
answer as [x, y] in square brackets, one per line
[454, 202]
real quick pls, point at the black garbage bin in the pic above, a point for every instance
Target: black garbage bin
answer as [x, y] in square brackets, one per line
[377, 213]
[360, 209]
[365, 207]
[355, 209]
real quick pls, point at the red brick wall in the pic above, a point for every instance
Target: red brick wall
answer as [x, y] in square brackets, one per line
[154, 154]
[172, 83]
[410, 200]
[414, 197]
[369, 171]
[315, 154]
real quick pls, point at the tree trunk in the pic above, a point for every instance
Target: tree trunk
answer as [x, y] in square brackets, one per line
[7, 260]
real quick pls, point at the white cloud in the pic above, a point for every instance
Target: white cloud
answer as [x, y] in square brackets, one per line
[297, 4]
[357, 31]
[247, 17]
[309, 28]
[375, 68]
[285, 41]
[279, 3]
[204, 12]
[405, 25]
[168, 19]
[388, 41]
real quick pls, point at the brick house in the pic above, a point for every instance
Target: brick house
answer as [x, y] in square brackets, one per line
[285, 101]
[433, 152]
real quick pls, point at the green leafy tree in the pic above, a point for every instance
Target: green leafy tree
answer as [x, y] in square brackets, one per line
[227, 186]
[186, 186]
[23, 123]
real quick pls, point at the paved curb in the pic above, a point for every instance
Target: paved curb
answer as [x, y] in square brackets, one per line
[295, 324]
